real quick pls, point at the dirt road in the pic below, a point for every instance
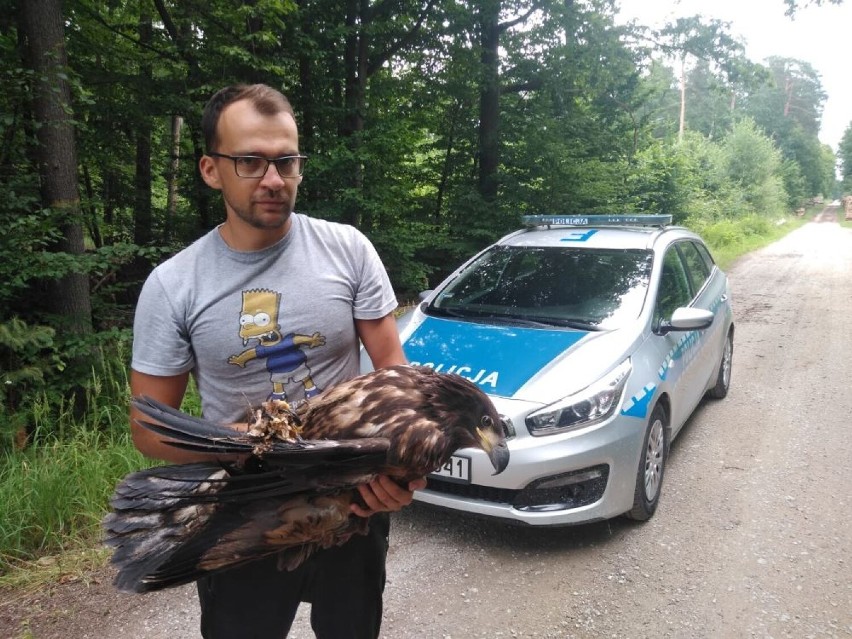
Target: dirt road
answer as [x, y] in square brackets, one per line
[753, 537]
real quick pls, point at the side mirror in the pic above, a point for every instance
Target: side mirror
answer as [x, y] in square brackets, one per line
[686, 319]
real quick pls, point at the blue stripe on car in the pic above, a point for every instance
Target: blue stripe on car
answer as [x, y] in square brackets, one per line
[500, 359]
[637, 406]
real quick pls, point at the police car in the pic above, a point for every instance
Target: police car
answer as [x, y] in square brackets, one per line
[596, 337]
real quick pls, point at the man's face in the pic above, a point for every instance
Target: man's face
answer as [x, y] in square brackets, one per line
[265, 202]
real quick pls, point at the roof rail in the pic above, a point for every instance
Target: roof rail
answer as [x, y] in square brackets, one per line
[596, 220]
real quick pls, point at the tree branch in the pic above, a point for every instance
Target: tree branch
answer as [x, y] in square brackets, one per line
[377, 60]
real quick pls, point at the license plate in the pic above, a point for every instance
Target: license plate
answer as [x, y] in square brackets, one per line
[457, 469]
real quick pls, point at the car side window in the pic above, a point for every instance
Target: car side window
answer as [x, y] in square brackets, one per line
[705, 255]
[674, 287]
[695, 265]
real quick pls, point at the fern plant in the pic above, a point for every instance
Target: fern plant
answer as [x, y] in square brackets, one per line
[27, 357]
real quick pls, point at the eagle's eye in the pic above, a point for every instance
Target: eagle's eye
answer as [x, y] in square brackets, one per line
[487, 422]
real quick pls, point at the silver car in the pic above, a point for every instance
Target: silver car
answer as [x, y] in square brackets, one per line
[596, 337]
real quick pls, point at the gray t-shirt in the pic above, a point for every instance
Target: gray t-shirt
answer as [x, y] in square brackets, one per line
[252, 324]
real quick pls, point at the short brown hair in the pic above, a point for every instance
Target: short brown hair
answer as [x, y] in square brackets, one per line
[265, 99]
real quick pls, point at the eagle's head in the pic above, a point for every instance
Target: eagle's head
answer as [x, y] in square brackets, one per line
[426, 415]
[469, 418]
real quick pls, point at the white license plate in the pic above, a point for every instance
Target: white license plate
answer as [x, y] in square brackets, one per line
[456, 469]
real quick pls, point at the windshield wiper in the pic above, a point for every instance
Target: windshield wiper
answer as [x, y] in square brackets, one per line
[442, 311]
[542, 322]
[515, 320]
[562, 322]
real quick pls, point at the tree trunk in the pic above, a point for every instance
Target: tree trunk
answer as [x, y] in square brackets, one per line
[174, 167]
[305, 90]
[69, 295]
[788, 95]
[446, 166]
[205, 216]
[489, 99]
[195, 79]
[143, 233]
[682, 124]
[354, 61]
[91, 214]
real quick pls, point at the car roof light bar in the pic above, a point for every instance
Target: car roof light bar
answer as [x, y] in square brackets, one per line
[596, 220]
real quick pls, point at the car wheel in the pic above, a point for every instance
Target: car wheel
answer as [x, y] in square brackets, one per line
[723, 379]
[652, 465]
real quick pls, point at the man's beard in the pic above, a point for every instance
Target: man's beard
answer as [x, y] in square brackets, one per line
[251, 219]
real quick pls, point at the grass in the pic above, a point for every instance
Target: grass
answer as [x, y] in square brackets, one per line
[54, 492]
[53, 495]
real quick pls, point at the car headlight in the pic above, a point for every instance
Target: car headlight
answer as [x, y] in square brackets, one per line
[593, 404]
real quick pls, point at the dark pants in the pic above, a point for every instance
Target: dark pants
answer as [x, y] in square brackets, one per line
[343, 584]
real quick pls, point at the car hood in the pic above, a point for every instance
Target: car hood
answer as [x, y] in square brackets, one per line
[538, 365]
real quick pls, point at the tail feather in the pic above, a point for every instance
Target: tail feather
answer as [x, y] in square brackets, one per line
[170, 525]
[292, 528]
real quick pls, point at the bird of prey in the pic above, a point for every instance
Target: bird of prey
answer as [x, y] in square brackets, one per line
[292, 492]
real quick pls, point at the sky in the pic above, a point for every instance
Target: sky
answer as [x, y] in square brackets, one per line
[818, 35]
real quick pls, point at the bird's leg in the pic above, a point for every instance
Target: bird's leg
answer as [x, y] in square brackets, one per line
[311, 518]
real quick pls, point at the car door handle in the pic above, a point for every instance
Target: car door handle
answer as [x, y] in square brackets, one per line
[724, 298]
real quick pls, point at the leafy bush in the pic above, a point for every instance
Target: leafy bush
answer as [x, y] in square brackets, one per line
[719, 234]
[36, 401]
[755, 225]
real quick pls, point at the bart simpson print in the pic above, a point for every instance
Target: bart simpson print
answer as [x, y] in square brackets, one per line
[284, 355]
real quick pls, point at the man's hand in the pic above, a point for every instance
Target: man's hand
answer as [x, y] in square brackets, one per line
[383, 494]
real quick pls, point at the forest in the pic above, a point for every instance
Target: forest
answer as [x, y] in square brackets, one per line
[430, 125]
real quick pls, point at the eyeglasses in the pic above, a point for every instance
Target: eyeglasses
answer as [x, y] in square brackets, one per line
[253, 166]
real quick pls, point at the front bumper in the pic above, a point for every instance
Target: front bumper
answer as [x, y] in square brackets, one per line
[571, 478]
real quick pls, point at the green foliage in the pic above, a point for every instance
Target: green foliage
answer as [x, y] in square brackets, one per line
[752, 164]
[727, 233]
[38, 399]
[53, 496]
[794, 5]
[54, 489]
[27, 357]
[844, 154]
[788, 109]
[663, 180]
[54, 492]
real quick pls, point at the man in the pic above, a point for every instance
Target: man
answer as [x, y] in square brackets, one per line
[270, 304]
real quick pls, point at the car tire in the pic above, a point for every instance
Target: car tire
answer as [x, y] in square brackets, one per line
[723, 379]
[652, 466]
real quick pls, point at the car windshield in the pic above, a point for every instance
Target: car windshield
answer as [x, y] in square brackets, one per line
[592, 289]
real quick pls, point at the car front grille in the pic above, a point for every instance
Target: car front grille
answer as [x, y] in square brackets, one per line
[472, 491]
[558, 492]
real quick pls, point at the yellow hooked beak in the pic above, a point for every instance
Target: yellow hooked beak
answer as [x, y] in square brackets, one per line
[495, 447]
